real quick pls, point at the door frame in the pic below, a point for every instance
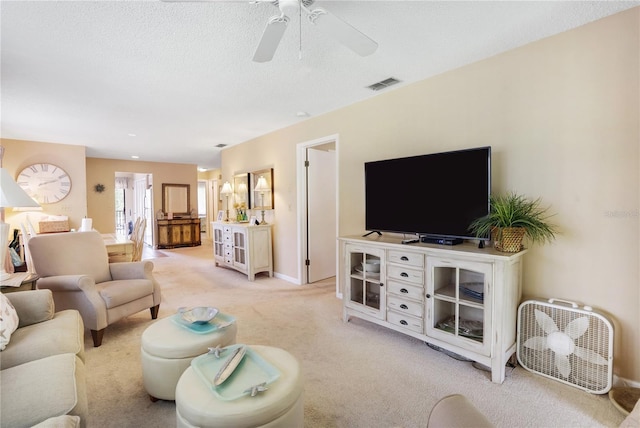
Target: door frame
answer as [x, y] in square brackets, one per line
[301, 149]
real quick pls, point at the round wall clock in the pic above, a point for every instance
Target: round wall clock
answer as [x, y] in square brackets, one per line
[44, 182]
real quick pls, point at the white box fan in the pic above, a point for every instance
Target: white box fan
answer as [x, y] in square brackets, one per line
[566, 343]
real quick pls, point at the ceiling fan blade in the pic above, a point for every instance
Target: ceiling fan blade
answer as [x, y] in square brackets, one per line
[343, 32]
[271, 37]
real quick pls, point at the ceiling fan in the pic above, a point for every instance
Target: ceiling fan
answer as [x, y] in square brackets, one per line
[321, 18]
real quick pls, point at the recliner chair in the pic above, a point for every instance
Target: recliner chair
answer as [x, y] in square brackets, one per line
[75, 267]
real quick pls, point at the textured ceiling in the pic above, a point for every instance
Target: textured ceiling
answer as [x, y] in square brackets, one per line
[179, 75]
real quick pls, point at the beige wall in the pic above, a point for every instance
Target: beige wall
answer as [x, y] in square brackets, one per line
[562, 117]
[19, 154]
[102, 205]
[85, 173]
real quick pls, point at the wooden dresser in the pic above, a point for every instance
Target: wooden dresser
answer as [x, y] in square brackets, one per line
[174, 233]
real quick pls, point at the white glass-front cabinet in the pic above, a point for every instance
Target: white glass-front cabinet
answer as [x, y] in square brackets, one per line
[460, 298]
[245, 248]
[364, 268]
[458, 303]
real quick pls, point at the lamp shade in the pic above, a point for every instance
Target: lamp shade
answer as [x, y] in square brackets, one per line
[262, 185]
[12, 195]
[226, 188]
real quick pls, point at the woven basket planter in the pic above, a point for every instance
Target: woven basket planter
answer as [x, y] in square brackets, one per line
[508, 239]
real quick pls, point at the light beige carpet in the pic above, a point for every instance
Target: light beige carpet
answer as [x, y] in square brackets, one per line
[356, 374]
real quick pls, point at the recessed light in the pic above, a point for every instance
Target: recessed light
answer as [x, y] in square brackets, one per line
[302, 114]
[135, 157]
[131, 135]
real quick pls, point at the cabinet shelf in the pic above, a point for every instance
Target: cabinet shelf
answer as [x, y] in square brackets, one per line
[448, 294]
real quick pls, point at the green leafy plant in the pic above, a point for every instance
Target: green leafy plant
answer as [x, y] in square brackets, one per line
[513, 210]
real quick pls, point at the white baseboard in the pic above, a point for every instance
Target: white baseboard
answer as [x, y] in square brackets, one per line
[287, 278]
[620, 381]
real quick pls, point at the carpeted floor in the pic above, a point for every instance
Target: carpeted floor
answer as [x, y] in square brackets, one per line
[357, 374]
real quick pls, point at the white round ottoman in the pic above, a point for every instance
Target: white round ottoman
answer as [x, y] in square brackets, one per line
[167, 349]
[281, 405]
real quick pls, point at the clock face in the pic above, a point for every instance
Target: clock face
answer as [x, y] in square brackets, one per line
[44, 182]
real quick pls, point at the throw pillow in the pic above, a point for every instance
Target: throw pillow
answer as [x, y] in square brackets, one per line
[8, 321]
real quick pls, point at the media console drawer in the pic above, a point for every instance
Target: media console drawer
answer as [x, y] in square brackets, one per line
[409, 275]
[403, 320]
[405, 290]
[405, 306]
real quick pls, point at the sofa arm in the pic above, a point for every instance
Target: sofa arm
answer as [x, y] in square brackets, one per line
[32, 306]
[131, 270]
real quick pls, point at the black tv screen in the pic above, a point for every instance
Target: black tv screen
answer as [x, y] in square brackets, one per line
[437, 195]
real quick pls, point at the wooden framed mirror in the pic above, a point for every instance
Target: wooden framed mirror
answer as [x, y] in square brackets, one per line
[176, 199]
[241, 189]
[263, 200]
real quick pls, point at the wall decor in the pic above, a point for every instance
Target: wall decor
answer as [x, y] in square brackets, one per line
[241, 189]
[176, 199]
[45, 182]
[261, 199]
[99, 188]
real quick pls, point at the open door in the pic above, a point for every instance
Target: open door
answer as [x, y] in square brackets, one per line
[321, 212]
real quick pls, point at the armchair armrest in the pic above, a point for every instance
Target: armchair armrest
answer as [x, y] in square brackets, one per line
[131, 270]
[32, 306]
[68, 283]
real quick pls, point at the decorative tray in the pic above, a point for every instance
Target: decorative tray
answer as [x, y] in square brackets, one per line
[253, 370]
[220, 321]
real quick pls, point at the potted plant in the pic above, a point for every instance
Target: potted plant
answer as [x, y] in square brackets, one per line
[511, 217]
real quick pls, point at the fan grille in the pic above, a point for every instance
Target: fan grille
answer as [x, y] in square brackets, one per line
[598, 338]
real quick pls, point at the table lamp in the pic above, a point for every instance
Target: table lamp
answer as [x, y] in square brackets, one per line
[11, 196]
[262, 187]
[226, 190]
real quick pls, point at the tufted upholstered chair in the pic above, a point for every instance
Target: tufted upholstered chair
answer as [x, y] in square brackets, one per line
[75, 267]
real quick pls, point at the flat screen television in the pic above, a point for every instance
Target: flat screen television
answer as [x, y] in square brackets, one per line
[434, 195]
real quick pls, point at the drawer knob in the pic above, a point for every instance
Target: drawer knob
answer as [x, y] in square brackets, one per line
[404, 258]
[403, 306]
[428, 296]
[403, 322]
[404, 275]
[404, 290]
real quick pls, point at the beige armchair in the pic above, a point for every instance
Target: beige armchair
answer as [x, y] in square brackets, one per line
[75, 267]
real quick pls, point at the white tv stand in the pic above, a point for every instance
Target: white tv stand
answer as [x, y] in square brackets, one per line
[461, 298]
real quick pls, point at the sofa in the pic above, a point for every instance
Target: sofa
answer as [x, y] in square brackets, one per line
[42, 372]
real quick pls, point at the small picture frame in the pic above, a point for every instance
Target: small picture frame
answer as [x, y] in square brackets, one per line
[253, 221]
[220, 215]
[169, 216]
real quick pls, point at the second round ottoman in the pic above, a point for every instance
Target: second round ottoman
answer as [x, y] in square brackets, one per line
[280, 406]
[167, 349]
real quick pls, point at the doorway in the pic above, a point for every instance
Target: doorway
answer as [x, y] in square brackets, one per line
[134, 198]
[318, 208]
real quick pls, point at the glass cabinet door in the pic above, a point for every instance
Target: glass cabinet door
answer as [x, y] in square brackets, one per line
[364, 282]
[459, 303]
[218, 242]
[239, 248]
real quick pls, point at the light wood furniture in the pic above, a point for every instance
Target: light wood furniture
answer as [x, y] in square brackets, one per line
[27, 282]
[245, 248]
[119, 247]
[460, 298]
[178, 233]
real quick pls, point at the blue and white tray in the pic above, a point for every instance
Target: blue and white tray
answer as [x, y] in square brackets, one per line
[253, 370]
[213, 325]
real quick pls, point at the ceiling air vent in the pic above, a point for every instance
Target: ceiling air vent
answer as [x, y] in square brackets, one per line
[221, 145]
[383, 84]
